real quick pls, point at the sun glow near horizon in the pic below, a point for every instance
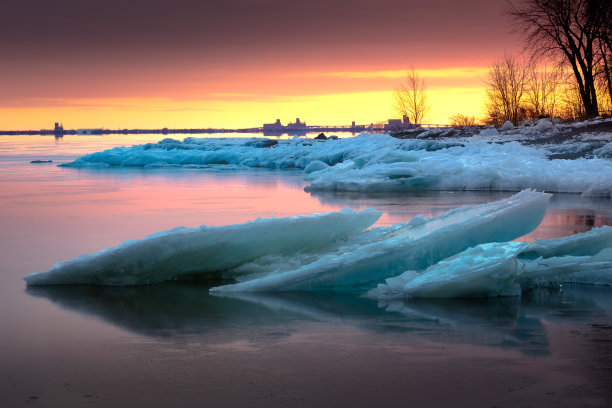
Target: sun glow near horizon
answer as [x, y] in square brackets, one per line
[361, 96]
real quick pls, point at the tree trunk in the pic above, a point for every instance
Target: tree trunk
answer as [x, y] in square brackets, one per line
[606, 64]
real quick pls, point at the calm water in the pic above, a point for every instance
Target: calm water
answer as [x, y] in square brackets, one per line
[173, 344]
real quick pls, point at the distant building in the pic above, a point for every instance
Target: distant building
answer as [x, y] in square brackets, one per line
[273, 127]
[377, 127]
[97, 131]
[297, 125]
[58, 129]
[394, 125]
[397, 125]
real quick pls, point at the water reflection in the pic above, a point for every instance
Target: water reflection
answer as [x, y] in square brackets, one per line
[186, 309]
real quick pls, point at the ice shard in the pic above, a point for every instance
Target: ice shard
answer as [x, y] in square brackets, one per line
[579, 258]
[487, 270]
[411, 246]
[205, 250]
[586, 243]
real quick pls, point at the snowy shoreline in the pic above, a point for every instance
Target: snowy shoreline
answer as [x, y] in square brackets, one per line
[546, 157]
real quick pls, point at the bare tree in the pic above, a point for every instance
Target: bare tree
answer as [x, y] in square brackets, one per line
[461, 120]
[603, 81]
[604, 55]
[571, 101]
[410, 98]
[605, 98]
[506, 91]
[565, 29]
[541, 90]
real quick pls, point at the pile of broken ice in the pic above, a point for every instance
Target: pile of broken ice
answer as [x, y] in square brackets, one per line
[512, 160]
[463, 252]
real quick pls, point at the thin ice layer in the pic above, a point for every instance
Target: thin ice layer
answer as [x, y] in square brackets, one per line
[486, 270]
[411, 246]
[588, 270]
[506, 269]
[597, 270]
[586, 243]
[579, 258]
[205, 250]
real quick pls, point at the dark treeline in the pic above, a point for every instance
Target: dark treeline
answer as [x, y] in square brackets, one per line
[566, 69]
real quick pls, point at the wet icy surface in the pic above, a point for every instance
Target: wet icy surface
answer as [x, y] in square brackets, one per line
[127, 346]
[169, 344]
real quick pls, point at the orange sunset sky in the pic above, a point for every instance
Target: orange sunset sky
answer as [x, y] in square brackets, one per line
[240, 63]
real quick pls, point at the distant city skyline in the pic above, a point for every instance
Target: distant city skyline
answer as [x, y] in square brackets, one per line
[59, 130]
[205, 64]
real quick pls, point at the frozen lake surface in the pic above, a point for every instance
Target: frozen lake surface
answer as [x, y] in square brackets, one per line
[175, 344]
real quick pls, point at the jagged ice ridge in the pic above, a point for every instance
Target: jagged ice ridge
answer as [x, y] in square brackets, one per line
[379, 162]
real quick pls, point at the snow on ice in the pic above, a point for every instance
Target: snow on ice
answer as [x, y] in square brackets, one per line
[513, 159]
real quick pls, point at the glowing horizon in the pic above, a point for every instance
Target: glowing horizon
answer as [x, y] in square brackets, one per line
[330, 62]
[450, 91]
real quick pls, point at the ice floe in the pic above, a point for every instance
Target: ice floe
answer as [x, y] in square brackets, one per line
[486, 270]
[205, 250]
[387, 252]
[508, 268]
[321, 251]
[580, 258]
[553, 271]
[464, 252]
[586, 243]
[595, 270]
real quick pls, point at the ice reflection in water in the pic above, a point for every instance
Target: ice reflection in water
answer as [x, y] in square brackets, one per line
[180, 309]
